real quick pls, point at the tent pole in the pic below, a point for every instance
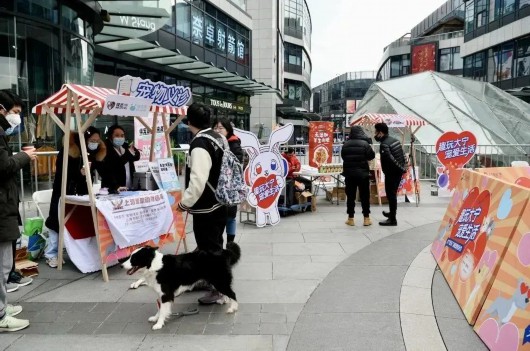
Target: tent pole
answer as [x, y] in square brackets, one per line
[66, 147]
[153, 137]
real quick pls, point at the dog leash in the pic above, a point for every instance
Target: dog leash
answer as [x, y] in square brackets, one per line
[184, 236]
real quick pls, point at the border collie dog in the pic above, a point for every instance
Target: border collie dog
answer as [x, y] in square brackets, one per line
[171, 275]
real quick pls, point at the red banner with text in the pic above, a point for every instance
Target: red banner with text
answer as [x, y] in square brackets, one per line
[320, 143]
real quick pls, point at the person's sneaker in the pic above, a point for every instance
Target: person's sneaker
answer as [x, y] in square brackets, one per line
[389, 223]
[13, 310]
[367, 221]
[52, 262]
[12, 324]
[350, 222]
[211, 298]
[10, 287]
[19, 279]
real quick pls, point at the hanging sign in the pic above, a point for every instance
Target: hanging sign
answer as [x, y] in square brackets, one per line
[159, 93]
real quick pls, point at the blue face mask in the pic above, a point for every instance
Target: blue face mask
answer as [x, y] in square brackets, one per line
[118, 141]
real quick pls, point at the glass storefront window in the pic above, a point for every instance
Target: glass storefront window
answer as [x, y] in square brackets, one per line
[495, 9]
[470, 16]
[197, 26]
[209, 32]
[70, 20]
[77, 67]
[481, 17]
[522, 65]
[43, 9]
[231, 44]
[509, 6]
[182, 9]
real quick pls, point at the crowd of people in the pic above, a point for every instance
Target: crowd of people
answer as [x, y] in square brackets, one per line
[113, 159]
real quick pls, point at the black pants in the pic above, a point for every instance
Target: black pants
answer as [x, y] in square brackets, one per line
[209, 228]
[290, 189]
[392, 182]
[352, 183]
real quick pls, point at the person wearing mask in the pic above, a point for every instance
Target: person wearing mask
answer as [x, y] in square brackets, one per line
[225, 128]
[75, 182]
[355, 153]
[204, 166]
[119, 163]
[10, 166]
[393, 165]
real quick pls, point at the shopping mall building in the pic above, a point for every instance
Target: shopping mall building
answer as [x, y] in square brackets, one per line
[232, 54]
[485, 40]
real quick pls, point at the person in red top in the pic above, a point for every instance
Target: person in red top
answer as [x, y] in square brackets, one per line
[294, 166]
[293, 162]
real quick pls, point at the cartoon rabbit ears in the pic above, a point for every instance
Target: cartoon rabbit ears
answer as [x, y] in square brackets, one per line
[251, 144]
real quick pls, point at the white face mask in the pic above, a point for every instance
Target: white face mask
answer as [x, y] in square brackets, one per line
[93, 146]
[14, 119]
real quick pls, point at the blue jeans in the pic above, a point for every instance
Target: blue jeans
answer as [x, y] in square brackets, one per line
[231, 226]
[52, 245]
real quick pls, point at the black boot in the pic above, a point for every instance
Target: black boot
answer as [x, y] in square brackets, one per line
[230, 238]
[386, 214]
[390, 222]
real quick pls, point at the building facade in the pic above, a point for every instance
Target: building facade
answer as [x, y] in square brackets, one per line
[44, 44]
[281, 50]
[337, 99]
[204, 45]
[485, 40]
[496, 45]
[433, 44]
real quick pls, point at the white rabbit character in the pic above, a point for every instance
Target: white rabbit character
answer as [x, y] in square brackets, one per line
[265, 173]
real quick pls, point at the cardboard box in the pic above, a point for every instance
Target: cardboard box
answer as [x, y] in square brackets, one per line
[332, 194]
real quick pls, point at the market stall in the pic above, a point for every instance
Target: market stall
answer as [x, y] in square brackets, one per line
[138, 99]
[404, 124]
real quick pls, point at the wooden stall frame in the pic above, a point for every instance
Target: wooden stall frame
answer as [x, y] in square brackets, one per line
[81, 127]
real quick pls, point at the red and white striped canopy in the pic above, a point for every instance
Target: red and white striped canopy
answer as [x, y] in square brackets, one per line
[89, 99]
[392, 120]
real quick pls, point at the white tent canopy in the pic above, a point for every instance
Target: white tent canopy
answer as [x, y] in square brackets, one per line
[450, 103]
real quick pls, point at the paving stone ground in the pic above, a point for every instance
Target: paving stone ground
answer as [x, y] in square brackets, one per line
[287, 284]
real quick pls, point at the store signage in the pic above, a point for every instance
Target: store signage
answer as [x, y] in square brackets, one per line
[320, 143]
[227, 105]
[159, 93]
[196, 28]
[120, 105]
[138, 22]
[221, 39]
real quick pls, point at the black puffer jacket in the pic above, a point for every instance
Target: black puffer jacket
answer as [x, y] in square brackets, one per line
[356, 152]
[392, 157]
[10, 165]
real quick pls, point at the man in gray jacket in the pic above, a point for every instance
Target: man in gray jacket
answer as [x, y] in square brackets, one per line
[10, 165]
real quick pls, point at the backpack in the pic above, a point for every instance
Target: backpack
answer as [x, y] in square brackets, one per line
[231, 188]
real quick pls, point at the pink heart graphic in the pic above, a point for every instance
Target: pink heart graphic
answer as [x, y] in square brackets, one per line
[505, 338]
[523, 250]
[488, 260]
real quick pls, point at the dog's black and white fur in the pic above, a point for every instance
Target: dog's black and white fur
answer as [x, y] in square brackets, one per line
[171, 275]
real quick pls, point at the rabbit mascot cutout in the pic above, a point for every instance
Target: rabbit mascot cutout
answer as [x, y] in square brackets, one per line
[266, 172]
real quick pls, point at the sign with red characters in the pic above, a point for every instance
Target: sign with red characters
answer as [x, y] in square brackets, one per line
[454, 151]
[320, 143]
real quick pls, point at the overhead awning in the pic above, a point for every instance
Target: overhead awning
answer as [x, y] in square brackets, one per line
[89, 99]
[392, 120]
[174, 59]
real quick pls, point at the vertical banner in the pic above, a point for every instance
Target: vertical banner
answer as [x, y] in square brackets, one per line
[453, 151]
[423, 58]
[474, 235]
[142, 138]
[320, 143]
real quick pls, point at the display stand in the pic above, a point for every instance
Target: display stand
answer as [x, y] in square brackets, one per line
[91, 100]
[405, 124]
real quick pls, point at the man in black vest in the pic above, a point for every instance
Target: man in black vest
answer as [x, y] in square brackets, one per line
[393, 165]
[204, 166]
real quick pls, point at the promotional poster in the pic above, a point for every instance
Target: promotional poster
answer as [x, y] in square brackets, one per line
[320, 143]
[474, 235]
